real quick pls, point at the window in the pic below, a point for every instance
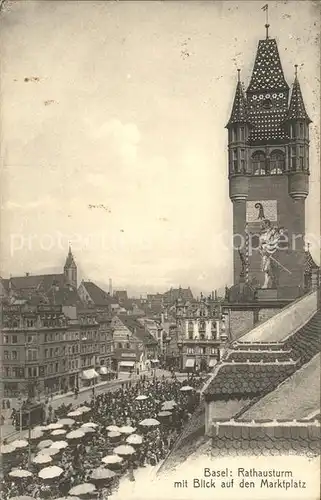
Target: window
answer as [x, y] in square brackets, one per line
[120, 345]
[259, 163]
[30, 339]
[32, 354]
[6, 339]
[277, 162]
[234, 134]
[56, 352]
[301, 159]
[235, 166]
[190, 350]
[293, 158]
[201, 350]
[16, 372]
[6, 371]
[6, 354]
[14, 355]
[14, 339]
[214, 350]
[46, 353]
[57, 367]
[242, 133]
[301, 131]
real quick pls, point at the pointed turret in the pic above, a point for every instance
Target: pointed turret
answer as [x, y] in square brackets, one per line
[297, 109]
[239, 109]
[238, 132]
[297, 124]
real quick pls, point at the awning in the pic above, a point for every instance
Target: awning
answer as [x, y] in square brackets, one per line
[154, 360]
[127, 363]
[190, 363]
[212, 362]
[89, 374]
[103, 370]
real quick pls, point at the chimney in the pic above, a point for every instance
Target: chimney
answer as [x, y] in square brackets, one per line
[110, 287]
[215, 295]
[212, 295]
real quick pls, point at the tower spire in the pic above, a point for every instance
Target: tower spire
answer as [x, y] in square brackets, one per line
[297, 109]
[265, 8]
[239, 109]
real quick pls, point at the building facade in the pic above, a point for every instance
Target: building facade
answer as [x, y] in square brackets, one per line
[201, 332]
[268, 169]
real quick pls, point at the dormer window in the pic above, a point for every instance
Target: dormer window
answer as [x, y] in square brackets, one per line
[267, 104]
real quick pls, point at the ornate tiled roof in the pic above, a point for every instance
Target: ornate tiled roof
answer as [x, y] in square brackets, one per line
[306, 342]
[233, 379]
[297, 109]
[239, 109]
[261, 437]
[241, 356]
[310, 265]
[267, 95]
[267, 71]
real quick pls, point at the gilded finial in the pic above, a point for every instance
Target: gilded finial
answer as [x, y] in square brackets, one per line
[296, 70]
[238, 74]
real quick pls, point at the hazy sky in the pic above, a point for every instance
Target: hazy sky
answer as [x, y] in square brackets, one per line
[125, 107]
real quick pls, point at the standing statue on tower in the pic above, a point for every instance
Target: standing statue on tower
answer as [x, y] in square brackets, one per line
[269, 243]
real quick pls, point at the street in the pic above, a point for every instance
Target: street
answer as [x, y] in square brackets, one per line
[9, 432]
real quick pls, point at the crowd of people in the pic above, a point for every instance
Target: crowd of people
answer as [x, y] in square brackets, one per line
[118, 408]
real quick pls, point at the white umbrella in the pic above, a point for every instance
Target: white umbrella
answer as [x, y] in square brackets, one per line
[42, 458]
[187, 388]
[113, 428]
[124, 450]
[22, 497]
[36, 435]
[112, 459]
[141, 398]
[127, 429]
[113, 435]
[168, 405]
[164, 414]
[90, 424]
[74, 413]
[59, 445]
[75, 434]
[66, 422]
[58, 432]
[87, 430]
[50, 472]
[7, 448]
[53, 427]
[84, 409]
[82, 489]
[20, 443]
[51, 451]
[149, 422]
[20, 473]
[44, 444]
[134, 439]
[67, 498]
[101, 474]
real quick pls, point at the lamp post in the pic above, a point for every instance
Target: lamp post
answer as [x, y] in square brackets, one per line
[180, 350]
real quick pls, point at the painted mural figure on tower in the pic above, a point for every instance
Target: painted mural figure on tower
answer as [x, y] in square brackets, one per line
[268, 244]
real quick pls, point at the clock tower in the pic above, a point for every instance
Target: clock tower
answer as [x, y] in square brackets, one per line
[268, 169]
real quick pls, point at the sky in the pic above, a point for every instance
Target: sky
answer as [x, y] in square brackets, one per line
[113, 138]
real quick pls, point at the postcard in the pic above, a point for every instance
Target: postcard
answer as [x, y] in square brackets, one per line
[160, 250]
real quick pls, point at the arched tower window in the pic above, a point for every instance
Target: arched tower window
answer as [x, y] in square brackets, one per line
[259, 163]
[277, 162]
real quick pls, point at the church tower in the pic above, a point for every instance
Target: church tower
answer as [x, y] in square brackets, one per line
[70, 270]
[268, 151]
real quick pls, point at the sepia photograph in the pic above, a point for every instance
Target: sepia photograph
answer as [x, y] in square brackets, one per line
[160, 290]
